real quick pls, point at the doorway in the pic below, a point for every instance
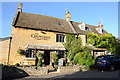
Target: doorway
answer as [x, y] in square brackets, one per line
[46, 57]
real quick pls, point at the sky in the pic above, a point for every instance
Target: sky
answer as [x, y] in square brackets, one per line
[87, 12]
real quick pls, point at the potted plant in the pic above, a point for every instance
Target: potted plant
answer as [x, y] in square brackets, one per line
[55, 59]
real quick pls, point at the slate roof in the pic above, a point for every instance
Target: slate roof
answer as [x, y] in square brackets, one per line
[85, 32]
[48, 23]
[42, 22]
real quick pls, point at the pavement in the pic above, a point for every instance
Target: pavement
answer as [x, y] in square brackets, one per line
[86, 75]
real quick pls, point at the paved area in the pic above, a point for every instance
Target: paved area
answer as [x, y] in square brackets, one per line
[78, 75]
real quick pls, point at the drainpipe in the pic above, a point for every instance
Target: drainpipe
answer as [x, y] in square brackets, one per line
[9, 51]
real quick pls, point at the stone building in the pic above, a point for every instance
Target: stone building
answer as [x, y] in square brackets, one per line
[33, 32]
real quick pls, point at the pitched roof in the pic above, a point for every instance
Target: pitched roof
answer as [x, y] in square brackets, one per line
[48, 23]
[85, 32]
[42, 22]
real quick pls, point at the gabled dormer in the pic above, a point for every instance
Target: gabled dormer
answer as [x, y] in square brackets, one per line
[100, 28]
[82, 26]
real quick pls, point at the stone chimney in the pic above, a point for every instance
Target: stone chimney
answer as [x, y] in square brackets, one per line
[68, 16]
[100, 24]
[20, 7]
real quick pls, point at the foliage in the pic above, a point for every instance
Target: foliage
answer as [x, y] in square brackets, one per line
[84, 57]
[17, 64]
[72, 45]
[67, 64]
[55, 58]
[94, 39]
[104, 41]
[21, 51]
[1, 64]
[39, 56]
[39, 63]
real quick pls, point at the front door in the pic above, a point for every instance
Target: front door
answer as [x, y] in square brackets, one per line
[46, 57]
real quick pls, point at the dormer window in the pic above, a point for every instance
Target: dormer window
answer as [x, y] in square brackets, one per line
[82, 26]
[100, 30]
[87, 28]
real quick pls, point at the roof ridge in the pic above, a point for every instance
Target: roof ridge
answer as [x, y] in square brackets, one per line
[42, 15]
[55, 17]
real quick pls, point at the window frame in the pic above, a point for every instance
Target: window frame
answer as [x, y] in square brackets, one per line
[60, 38]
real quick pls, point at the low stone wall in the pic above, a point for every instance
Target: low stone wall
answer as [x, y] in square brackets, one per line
[35, 70]
[74, 68]
[11, 72]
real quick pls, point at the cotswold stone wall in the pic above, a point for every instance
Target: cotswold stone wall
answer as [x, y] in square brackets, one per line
[74, 68]
[4, 47]
[11, 72]
[34, 70]
[22, 37]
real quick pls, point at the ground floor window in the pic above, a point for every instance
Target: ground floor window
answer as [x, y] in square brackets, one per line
[61, 54]
[31, 53]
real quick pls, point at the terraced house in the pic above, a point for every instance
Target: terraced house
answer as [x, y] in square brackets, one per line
[33, 32]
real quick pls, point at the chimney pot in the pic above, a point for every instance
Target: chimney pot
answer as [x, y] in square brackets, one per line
[20, 7]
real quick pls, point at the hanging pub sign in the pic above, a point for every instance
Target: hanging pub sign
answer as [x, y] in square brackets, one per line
[39, 37]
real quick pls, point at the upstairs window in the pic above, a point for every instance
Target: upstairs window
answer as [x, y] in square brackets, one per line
[82, 26]
[100, 30]
[60, 38]
[87, 28]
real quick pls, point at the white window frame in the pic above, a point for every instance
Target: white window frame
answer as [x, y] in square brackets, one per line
[100, 30]
[82, 26]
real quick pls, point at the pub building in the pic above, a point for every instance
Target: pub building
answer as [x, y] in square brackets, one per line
[34, 32]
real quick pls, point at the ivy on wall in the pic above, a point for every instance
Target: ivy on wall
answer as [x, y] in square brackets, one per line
[107, 41]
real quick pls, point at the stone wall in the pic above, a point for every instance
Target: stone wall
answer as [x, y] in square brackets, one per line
[22, 37]
[11, 72]
[4, 47]
[65, 69]
[34, 70]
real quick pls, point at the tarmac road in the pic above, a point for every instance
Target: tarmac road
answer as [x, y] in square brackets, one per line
[86, 75]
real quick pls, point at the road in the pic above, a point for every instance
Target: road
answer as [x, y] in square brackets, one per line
[86, 75]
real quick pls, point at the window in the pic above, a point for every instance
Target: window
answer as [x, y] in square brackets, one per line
[60, 38]
[100, 30]
[61, 54]
[31, 53]
[82, 26]
[87, 28]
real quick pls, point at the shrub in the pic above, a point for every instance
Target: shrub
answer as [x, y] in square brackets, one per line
[55, 58]
[21, 51]
[56, 63]
[39, 56]
[1, 64]
[67, 64]
[84, 58]
[17, 64]
[39, 62]
[77, 57]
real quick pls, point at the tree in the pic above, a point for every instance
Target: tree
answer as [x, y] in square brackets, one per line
[72, 45]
